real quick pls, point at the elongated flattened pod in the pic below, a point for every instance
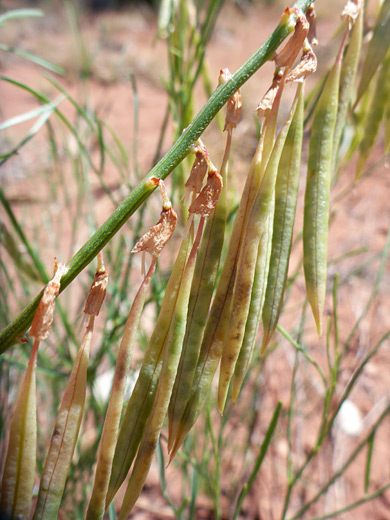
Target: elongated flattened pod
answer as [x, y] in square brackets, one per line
[377, 48]
[203, 284]
[348, 77]
[141, 400]
[286, 192]
[316, 211]
[252, 268]
[153, 242]
[67, 425]
[375, 114]
[171, 358]
[19, 468]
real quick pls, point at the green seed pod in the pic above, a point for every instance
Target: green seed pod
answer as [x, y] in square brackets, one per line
[347, 81]
[203, 283]
[375, 114]
[65, 434]
[377, 48]
[217, 323]
[286, 192]
[172, 353]
[19, 468]
[254, 260]
[153, 242]
[254, 315]
[316, 211]
[109, 435]
[143, 395]
[211, 348]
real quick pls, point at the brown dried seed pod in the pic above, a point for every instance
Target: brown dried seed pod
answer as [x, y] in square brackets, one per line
[97, 291]
[290, 51]
[43, 317]
[155, 239]
[207, 199]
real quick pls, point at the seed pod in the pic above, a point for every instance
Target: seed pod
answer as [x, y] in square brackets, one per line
[286, 191]
[65, 434]
[19, 467]
[377, 48]
[43, 317]
[203, 283]
[375, 114]
[347, 82]
[172, 352]
[142, 398]
[254, 258]
[67, 426]
[253, 320]
[218, 319]
[109, 435]
[316, 211]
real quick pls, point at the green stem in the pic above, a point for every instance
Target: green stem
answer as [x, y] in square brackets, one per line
[172, 158]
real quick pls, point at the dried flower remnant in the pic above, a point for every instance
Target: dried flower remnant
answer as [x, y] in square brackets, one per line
[352, 10]
[268, 99]
[307, 65]
[207, 199]
[43, 317]
[311, 18]
[234, 104]
[199, 169]
[98, 289]
[287, 56]
[155, 239]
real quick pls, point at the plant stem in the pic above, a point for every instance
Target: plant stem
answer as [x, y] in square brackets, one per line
[172, 158]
